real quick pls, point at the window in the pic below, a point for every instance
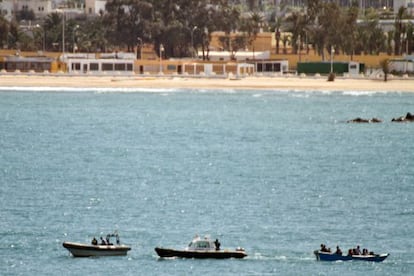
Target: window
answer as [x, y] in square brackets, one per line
[107, 67]
[94, 67]
[75, 66]
[119, 67]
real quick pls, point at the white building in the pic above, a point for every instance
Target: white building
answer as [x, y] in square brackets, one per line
[409, 4]
[94, 7]
[40, 8]
[6, 8]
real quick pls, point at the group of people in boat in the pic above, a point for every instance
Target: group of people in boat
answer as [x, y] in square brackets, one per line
[352, 251]
[107, 240]
[357, 251]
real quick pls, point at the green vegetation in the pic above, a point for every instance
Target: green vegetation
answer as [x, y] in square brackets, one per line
[181, 26]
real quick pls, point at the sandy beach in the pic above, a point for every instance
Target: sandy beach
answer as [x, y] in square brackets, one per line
[265, 83]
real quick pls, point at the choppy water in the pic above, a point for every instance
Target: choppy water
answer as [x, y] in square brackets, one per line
[277, 173]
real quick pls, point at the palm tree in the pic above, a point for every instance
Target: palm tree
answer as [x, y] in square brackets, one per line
[385, 65]
[4, 32]
[285, 41]
[349, 30]
[15, 35]
[53, 30]
[410, 32]
[399, 29]
[296, 25]
[252, 27]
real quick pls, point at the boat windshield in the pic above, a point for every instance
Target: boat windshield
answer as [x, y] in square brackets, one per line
[200, 245]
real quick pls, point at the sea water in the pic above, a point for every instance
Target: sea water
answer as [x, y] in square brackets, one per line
[275, 172]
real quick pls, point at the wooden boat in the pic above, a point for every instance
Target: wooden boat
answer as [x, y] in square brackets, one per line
[97, 250]
[201, 249]
[328, 256]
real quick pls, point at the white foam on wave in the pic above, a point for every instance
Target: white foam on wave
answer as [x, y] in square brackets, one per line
[97, 90]
[362, 93]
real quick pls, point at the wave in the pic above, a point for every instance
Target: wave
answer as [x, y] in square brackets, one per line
[282, 258]
[97, 90]
[102, 90]
[363, 93]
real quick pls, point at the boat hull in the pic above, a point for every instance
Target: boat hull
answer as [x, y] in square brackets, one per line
[85, 250]
[199, 254]
[326, 256]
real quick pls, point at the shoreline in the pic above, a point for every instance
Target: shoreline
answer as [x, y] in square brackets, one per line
[294, 83]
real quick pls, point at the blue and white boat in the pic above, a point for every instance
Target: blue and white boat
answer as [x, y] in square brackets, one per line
[332, 257]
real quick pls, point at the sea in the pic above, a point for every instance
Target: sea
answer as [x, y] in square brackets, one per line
[277, 172]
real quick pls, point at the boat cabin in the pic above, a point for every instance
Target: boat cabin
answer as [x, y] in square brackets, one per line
[201, 244]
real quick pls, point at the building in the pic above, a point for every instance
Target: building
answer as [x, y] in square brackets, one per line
[40, 8]
[409, 4]
[113, 63]
[94, 7]
[402, 65]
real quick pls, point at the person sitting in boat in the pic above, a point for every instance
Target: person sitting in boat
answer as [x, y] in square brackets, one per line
[338, 251]
[217, 244]
[102, 241]
[350, 252]
[94, 241]
[324, 249]
[108, 241]
[357, 251]
[365, 252]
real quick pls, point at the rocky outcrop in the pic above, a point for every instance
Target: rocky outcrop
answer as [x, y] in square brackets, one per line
[361, 120]
[407, 118]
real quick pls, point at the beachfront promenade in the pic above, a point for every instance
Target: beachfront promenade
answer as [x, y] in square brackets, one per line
[282, 82]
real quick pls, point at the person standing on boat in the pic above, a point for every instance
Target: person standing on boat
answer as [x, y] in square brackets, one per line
[217, 244]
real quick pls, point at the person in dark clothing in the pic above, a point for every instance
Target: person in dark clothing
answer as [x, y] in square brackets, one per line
[102, 241]
[324, 249]
[217, 244]
[94, 241]
[338, 251]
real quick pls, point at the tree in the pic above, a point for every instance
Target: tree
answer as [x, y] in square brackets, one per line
[410, 32]
[370, 36]
[227, 19]
[126, 20]
[349, 30]
[15, 35]
[251, 26]
[285, 41]
[91, 36]
[296, 25]
[399, 27]
[331, 22]
[277, 28]
[4, 32]
[385, 66]
[53, 31]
